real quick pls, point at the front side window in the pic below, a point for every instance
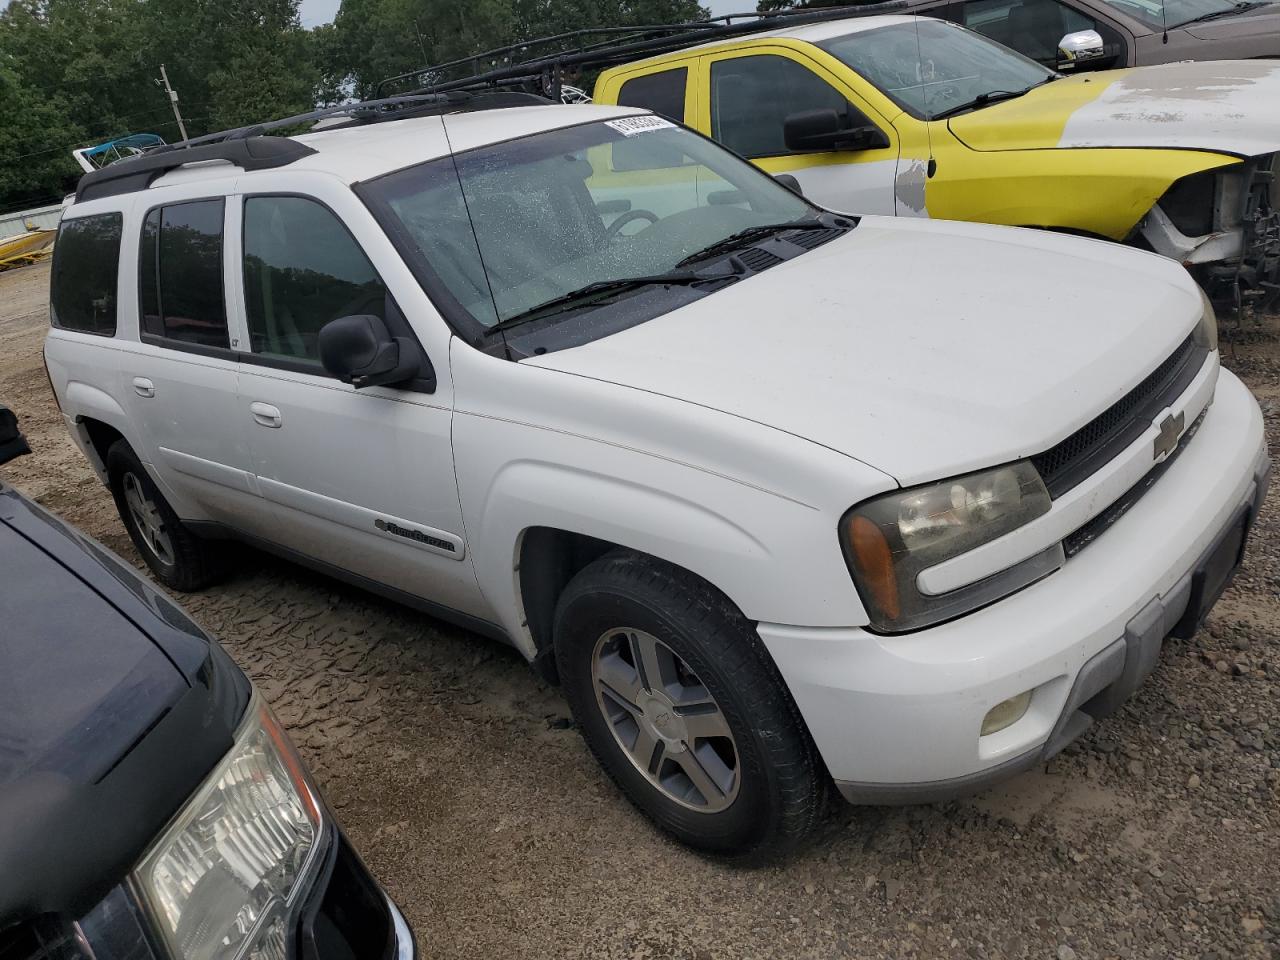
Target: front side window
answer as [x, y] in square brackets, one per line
[86, 267]
[519, 224]
[1032, 27]
[663, 93]
[302, 269]
[180, 275]
[929, 67]
[751, 98]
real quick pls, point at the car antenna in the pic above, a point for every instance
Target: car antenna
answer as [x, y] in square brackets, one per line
[1164, 19]
[466, 206]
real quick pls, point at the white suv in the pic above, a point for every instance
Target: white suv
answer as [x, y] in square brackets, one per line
[779, 496]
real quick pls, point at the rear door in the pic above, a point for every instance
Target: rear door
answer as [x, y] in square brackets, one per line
[178, 377]
[361, 480]
[749, 96]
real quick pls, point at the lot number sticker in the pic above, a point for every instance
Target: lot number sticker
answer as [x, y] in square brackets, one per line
[632, 126]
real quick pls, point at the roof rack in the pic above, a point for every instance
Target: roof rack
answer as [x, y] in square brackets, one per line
[251, 148]
[544, 72]
[138, 173]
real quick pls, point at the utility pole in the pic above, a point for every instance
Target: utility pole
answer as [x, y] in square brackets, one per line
[421, 46]
[173, 99]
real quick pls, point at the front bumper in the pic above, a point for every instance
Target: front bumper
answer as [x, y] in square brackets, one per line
[898, 719]
[344, 915]
[347, 914]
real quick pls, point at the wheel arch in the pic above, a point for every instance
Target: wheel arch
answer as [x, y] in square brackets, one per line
[101, 435]
[540, 522]
[547, 560]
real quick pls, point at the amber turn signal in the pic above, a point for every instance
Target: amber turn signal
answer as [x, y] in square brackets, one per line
[874, 562]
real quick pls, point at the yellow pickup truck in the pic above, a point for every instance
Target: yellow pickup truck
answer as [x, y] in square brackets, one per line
[912, 116]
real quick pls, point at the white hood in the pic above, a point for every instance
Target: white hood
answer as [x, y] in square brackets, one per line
[922, 348]
[1227, 106]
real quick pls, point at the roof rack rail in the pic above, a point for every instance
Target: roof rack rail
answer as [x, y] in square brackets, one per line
[624, 43]
[138, 173]
[251, 148]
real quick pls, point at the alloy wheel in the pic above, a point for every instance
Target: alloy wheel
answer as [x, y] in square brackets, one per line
[148, 520]
[668, 724]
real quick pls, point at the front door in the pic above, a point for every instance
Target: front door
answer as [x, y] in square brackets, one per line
[750, 97]
[361, 480]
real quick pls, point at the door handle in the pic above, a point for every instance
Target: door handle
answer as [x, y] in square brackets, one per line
[144, 387]
[265, 415]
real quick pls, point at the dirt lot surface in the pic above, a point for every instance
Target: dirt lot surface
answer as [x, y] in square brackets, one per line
[459, 776]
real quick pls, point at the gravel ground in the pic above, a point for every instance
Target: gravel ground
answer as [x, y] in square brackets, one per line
[460, 777]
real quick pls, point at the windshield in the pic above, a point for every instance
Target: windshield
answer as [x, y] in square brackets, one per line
[558, 211]
[937, 69]
[1176, 12]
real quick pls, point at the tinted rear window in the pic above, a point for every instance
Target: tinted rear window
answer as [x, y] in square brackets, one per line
[86, 265]
[181, 274]
[663, 93]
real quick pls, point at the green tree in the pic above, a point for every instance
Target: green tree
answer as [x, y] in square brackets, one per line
[32, 173]
[83, 71]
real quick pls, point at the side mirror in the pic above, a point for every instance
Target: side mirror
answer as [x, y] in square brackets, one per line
[12, 443]
[1079, 49]
[825, 130]
[360, 351]
[790, 182]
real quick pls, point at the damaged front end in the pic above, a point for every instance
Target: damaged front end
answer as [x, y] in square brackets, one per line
[1224, 226]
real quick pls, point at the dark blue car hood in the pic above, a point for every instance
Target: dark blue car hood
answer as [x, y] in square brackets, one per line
[114, 707]
[81, 684]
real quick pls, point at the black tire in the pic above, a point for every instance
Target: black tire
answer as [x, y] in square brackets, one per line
[782, 786]
[192, 563]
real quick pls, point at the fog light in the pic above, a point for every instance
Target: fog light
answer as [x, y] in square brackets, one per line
[1005, 713]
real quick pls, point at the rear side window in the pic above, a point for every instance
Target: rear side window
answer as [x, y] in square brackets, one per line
[180, 271]
[86, 266]
[302, 268]
[663, 93]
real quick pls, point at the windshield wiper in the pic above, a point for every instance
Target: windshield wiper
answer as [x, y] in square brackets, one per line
[992, 96]
[743, 237]
[1217, 14]
[599, 290]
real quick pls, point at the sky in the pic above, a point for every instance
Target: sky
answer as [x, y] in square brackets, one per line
[315, 12]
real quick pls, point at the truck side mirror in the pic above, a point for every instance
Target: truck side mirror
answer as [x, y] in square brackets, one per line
[1084, 48]
[823, 130]
[12, 443]
[359, 350]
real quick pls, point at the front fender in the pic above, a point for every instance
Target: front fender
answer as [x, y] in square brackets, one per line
[776, 559]
[1100, 192]
[749, 509]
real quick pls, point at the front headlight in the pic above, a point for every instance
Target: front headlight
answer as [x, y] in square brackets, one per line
[888, 541]
[221, 880]
[1206, 331]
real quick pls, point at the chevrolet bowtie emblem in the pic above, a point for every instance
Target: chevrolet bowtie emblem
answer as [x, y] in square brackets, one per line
[1170, 431]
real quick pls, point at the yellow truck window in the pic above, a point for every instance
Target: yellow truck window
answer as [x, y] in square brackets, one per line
[662, 92]
[751, 98]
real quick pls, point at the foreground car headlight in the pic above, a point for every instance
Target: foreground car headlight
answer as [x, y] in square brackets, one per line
[1206, 331]
[220, 881]
[888, 541]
